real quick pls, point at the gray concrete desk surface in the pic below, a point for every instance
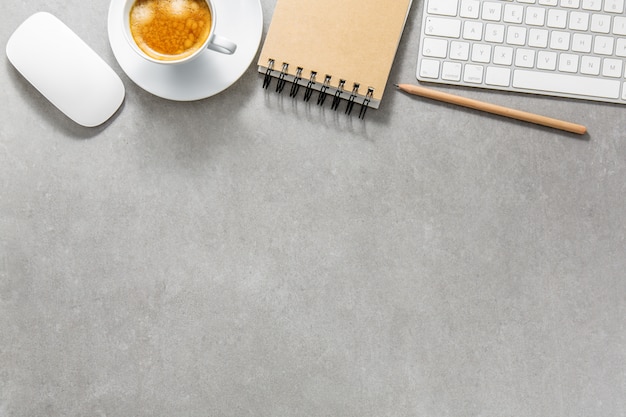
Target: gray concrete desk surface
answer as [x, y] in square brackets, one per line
[248, 255]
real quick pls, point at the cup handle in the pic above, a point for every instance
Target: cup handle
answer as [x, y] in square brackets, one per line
[222, 45]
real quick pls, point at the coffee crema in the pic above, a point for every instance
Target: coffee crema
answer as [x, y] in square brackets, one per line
[169, 30]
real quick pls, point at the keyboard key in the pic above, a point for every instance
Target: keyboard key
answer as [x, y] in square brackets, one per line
[516, 35]
[459, 50]
[619, 25]
[603, 45]
[560, 40]
[546, 60]
[612, 68]
[447, 28]
[429, 68]
[498, 76]
[614, 6]
[494, 33]
[451, 71]
[581, 42]
[579, 21]
[473, 74]
[443, 7]
[437, 48]
[502, 55]
[590, 65]
[566, 84]
[568, 63]
[473, 31]
[557, 19]
[481, 53]
[620, 48]
[535, 16]
[525, 58]
[600, 23]
[492, 11]
[593, 5]
[470, 9]
[513, 13]
[538, 38]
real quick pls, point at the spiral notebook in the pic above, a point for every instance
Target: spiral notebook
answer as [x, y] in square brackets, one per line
[339, 48]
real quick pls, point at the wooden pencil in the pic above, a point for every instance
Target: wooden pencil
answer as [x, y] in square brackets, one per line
[492, 108]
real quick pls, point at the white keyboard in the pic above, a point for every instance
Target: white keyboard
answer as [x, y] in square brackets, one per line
[563, 48]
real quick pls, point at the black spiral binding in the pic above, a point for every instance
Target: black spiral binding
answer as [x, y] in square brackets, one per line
[355, 91]
[323, 90]
[268, 74]
[281, 78]
[309, 87]
[296, 83]
[338, 93]
[366, 102]
[322, 96]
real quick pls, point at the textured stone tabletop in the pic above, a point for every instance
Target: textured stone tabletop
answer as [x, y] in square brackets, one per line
[252, 255]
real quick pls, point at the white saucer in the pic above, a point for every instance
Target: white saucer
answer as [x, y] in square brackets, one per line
[210, 73]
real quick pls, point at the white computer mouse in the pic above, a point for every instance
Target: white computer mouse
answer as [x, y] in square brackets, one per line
[65, 70]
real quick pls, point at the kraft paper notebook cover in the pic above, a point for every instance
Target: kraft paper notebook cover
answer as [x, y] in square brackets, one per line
[342, 48]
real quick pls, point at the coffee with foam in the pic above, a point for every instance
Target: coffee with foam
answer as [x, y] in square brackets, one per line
[169, 30]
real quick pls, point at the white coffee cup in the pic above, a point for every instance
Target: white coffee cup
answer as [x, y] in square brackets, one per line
[213, 41]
